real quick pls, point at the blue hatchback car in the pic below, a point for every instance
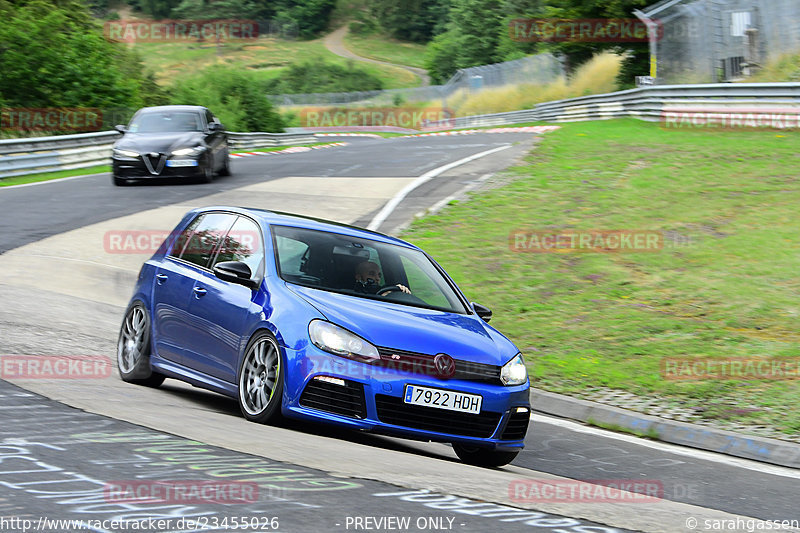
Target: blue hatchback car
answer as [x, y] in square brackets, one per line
[321, 321]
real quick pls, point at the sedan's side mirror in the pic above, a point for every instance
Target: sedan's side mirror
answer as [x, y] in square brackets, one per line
[235, 272]
[482, 311]
[121, 128]
[213, 126]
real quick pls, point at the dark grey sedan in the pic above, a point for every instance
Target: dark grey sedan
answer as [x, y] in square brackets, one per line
[177, 141]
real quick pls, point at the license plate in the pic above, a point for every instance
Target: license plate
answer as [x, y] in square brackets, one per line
[443, 399]
[181, 163]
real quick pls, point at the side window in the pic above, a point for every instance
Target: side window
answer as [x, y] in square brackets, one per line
[291, 254]
[185, 235]
[202, 237]
[422, 286]
[243, 243]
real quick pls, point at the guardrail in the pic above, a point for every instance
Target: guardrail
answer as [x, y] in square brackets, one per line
[66, 152]
[650, 103]
[42, 154]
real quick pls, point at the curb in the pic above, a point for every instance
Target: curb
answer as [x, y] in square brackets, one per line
[761, 449]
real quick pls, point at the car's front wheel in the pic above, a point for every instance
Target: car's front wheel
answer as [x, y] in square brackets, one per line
[208, 171]
[133, 348]
[261, 379]
[473, 455]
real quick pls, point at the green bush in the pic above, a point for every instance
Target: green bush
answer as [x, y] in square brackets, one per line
[236, 97]
[317, 76]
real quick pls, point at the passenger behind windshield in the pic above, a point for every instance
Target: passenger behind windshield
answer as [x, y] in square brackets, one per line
[368, 280]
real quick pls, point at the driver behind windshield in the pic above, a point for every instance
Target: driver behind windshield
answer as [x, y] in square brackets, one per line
[368, 280]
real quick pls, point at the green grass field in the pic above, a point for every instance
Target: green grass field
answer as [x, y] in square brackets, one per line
[389, 50]
[47, 176]
[266, 56]
[725, 285]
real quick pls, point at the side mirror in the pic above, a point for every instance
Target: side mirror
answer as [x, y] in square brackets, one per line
[121, 128]
[235, 272]
[484, 312]
[213, 126]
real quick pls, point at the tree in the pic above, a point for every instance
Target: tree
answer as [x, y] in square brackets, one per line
[235, 96]
[52, 54]
[411, 20]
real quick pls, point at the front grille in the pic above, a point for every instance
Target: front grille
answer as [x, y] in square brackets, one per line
[346, 400]
[420, 363]
[517, 426]
[392, 410]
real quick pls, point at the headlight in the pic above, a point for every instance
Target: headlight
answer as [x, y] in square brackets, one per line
[125, 153]
[339, 341]
[188, 151]
[514, 372]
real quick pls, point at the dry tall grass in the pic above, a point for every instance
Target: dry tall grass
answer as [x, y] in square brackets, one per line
[597, 76]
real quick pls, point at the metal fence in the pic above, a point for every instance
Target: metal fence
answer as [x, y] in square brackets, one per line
[706, 41]
[540, 69]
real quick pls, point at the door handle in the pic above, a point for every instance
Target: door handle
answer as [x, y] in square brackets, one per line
[199, 292]
[161, 278]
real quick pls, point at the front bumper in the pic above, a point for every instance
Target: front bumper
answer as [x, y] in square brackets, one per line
[138, 169]
[372, 400]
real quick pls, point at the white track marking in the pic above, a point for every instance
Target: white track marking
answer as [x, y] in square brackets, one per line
[392, 204]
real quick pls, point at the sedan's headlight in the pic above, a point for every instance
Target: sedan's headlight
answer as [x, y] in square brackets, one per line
[125, 153]
[514, 372]
[339, 341]
[188, 151]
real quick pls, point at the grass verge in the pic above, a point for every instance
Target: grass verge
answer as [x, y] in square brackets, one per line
[389, 50]
[266, 56]
[725, 285]
[47, 176]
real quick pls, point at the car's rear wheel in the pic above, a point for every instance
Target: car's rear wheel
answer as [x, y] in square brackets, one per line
[133, 348]
[261, 379]
[473, 455]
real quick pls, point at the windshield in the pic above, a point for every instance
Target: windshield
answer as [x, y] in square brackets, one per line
[165, 122]
[363, 268]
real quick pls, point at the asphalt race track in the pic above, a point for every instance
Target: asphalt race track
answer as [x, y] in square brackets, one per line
[63, 442]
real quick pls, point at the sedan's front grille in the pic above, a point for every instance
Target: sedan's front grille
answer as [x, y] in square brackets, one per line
[392, 410]
[420, 363]
[517, 426]
[346, 400]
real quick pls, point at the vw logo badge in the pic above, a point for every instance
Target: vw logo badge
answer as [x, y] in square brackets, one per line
[445, 365]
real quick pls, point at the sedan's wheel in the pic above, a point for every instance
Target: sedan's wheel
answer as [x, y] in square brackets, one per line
[473, 455]
[133, 348]
[261, 379]
[208, 172]
[226, 166]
